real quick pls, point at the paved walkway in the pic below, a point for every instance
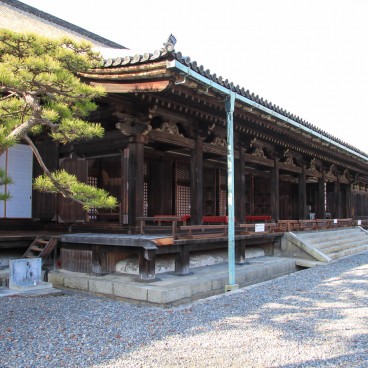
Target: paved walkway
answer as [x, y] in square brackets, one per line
[313, 318]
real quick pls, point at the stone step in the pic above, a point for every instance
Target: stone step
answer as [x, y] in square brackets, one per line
[342, 247]
[308, 263]
[348, 252]
[341, 242]
[330, 235]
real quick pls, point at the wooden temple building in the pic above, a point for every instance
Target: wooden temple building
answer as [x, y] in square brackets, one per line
[164, 156]
[165, 147]
[165, 151]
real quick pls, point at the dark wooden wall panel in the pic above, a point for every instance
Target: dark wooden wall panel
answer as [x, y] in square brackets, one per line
[70, 211]
[76, 260]
[44, 204]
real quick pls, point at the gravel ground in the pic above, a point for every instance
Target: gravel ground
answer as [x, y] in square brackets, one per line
[313, 318]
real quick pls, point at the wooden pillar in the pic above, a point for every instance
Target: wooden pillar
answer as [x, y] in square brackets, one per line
[251, 195]
[135, 178]
[321, 211]
[240, 252]
[124, 198]
[240, 187]
[337, 198]
[182, 261]
[349, 201]
[275, 192]
[97, 260]
[196, 183]
[302, 195]
[147, 261]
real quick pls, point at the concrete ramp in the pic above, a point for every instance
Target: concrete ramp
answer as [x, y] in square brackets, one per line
[315, 247]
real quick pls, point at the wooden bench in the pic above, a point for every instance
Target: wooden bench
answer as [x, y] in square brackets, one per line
[108, 216]
[173, 219]
[259, 218]
[214, 220]
[164, 218]
[203, 231]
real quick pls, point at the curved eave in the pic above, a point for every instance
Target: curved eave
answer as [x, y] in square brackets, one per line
[150, 77]
[187, 71]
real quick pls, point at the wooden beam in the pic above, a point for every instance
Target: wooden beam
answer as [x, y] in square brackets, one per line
[152, 86]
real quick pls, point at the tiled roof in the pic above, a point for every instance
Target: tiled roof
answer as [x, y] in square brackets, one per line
[61, 23]
[185, 60]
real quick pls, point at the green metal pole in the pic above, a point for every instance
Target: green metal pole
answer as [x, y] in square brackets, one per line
[229, 105]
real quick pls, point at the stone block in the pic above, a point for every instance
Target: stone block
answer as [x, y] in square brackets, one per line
[136, 292]
[164, 296]
[56, 278]
[100, 286]
[203, 287]
[219, 284]
[79, 283]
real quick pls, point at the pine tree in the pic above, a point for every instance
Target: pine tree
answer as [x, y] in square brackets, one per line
[40, 92]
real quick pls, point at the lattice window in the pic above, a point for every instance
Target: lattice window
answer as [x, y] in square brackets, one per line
[146, 169]
[222, 193]
[183, 174]
[145, 188]
[182, 190]
[145, 199]
[182, 200]
[92, 213]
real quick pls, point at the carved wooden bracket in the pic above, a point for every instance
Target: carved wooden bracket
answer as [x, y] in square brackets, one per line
[345, 178]
[289, 158]
[332, 173]
[171, 128]
[219, 141]
[258, 148]
[313, 165]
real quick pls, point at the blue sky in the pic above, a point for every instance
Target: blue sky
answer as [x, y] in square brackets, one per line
[308, 57]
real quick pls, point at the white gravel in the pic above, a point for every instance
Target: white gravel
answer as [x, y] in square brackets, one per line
[313, 318]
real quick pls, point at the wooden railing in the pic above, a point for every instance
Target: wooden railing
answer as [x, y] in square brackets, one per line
[218, 226]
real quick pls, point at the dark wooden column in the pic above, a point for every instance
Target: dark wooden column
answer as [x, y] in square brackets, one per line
[135, 178]
[240, 187]
[349, 201]
[275, 192]
[337, 197]
[196, 183]
[321, 211]
[124, 198]
[251, 194]
[302, 196]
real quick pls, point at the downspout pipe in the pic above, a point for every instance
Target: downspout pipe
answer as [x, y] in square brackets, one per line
[229, 106]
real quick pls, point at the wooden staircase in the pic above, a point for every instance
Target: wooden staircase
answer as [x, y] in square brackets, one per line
[41, 247]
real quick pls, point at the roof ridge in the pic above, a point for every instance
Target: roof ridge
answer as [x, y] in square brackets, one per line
[72, 27]
[245, 93]
[185, 60]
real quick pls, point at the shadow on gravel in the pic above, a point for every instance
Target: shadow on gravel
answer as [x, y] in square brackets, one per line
[78, 330]
[348, 360]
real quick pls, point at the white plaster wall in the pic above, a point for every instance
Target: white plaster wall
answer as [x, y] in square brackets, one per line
[18, 163]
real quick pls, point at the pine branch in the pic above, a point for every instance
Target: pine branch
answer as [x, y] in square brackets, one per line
[39, 159]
